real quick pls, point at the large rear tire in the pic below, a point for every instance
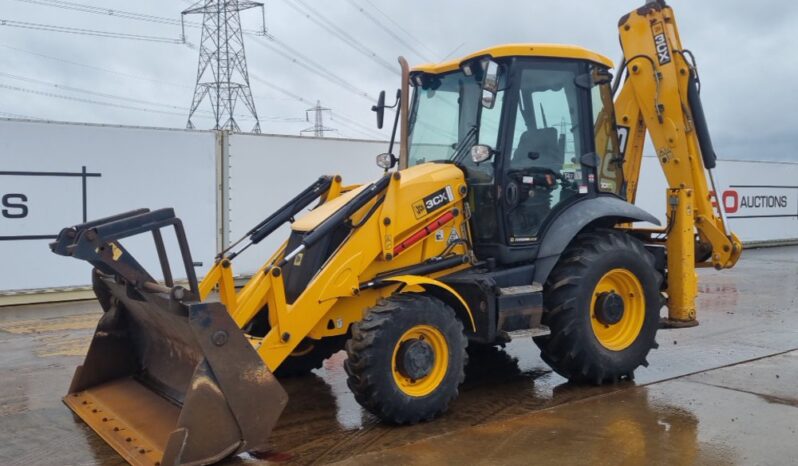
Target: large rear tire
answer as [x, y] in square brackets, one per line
[602, 303]
[406, 358]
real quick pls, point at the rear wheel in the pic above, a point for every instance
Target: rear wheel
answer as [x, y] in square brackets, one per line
[602, 304]
[406, 358]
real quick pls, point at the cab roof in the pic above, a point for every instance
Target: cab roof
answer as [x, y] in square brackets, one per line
[520, 50]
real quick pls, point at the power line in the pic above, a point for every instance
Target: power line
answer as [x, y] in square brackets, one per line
[92, 67]
[113, 72]
[313, 15]
[400, 27]
[102, 11]
[385, 28]
[292, 54]
[163, 112]
[348, 122]
[88, 101]
[114, 13]
[300, 59]
[18, 115]
[182, 110]
[357, 127]
[86, 91]
[87, 32]
[296, 57]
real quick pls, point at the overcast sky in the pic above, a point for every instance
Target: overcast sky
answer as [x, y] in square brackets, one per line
[746, 52]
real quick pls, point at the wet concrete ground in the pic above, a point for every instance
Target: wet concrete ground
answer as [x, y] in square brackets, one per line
[512, 408]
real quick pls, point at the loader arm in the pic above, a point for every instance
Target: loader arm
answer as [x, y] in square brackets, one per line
[660, 97]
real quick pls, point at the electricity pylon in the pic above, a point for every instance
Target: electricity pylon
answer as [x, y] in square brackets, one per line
[222, 74]
[318, 129]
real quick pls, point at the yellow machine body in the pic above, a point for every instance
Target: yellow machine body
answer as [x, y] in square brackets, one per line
[333, 300]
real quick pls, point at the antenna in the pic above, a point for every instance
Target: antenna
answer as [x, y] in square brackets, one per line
[222, 74]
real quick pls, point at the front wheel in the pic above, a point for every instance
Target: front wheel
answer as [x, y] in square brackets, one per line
[406, 358]
[602, 303]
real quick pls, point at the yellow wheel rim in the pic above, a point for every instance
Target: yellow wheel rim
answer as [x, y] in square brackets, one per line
[440, 350]
[620, 335]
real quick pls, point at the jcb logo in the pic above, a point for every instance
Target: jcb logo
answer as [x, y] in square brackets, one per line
[661, 44]
[419, 210]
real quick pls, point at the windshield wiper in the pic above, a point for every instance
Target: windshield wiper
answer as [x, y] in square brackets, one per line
[464, 143]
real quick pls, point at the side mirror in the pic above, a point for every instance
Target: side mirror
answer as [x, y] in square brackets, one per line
[490, 84]
[379, 109]
[481, 153]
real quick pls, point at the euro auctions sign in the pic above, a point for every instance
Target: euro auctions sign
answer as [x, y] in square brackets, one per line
[743, 201]
[760, 199]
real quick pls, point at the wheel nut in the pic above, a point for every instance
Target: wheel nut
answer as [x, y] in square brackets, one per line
[219, 338]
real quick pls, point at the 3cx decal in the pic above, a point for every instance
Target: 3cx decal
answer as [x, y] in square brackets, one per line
[433, 202]
[17, 209]
[760, 201]
[661, 43]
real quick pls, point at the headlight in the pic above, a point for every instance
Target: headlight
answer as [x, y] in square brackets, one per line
[481, 153]
[386, 161]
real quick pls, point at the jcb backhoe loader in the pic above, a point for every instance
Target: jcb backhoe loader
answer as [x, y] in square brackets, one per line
[511, 213]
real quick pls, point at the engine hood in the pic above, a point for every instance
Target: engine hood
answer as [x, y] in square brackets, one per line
[413, 178]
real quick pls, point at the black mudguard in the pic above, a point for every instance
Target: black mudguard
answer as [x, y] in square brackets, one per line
[607, 210]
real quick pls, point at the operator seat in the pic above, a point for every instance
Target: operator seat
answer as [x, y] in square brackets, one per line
[527, 217]
[542, 141]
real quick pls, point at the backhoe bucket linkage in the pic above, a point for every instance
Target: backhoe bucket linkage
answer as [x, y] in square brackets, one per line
[167, 379]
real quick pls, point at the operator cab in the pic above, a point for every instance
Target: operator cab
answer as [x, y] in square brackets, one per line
[533, 127]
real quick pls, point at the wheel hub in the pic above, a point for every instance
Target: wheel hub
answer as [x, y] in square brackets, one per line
[415, 359]
[609, 308]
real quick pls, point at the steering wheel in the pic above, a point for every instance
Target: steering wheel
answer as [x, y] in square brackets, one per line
[542, 177]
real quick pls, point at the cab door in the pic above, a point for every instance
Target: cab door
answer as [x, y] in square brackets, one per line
[550, 128]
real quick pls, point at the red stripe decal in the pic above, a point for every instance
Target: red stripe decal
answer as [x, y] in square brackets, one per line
[424, 232]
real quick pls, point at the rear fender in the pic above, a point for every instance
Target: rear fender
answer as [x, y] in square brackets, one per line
[575, 219]
[418, 284]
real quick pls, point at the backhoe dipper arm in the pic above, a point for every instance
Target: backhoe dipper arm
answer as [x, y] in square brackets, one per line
[660, 96]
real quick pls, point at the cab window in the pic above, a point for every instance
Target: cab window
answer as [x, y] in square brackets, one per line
[610, 169]
[544, 168]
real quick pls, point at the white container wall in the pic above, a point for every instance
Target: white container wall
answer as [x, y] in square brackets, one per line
[760, 198]
[266, 171]
[56, 175]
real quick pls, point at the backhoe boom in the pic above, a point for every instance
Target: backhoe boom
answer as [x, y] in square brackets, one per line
[660, 98]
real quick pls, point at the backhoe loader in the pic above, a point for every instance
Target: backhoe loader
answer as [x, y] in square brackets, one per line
[509, 212]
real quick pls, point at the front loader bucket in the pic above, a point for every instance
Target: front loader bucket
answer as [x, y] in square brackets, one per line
[167, 379]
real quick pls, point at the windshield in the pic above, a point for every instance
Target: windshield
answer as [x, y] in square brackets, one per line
[444, 113]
